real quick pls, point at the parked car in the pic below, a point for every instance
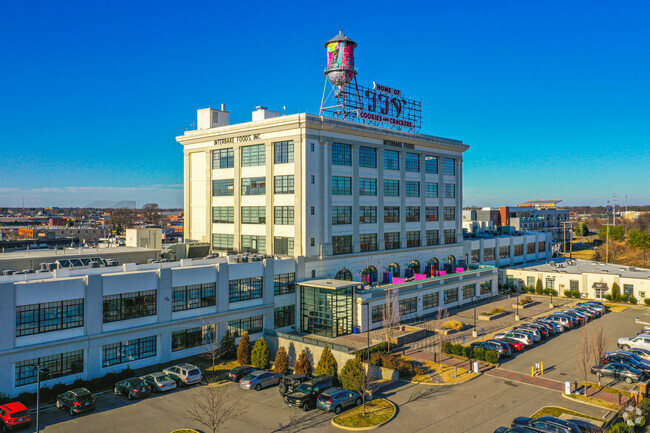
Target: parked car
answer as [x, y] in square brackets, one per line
[184, 374]
[591, 314]
[133, 387]
[544, 330]
[516, 429]
[557, 327]
[590, 307]
[517, 346]
[518, 336]
[337, 399]
[76, 401]
[597, 303]
[238, 372]
[547, 424]
[582, 317]
[565, 321]
[535, 334]
[14, 415]
[641, 353]
[619, 372]
[488, 345]
[159, 381]
[576, 319]
[260, 379]
[503, 344]
[305, 395]
[626, 358]
[641, 341]
[290, 382]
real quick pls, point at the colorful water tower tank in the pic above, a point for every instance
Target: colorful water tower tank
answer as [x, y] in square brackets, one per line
[340, 61]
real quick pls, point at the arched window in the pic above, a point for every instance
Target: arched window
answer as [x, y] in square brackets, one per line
[451, 260]
[394, 269]
[415, 266]
[369, 275]
[343, 274]
[432, 266]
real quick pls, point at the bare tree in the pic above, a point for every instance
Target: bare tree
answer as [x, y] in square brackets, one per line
[121, 219]
[390, 315]
[583, 357]
[215, 350]
[439, 337]
[598, 341]
[151, 214]
[213, 408]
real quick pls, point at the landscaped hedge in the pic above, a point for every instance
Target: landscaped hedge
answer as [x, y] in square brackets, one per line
[478, 353]
[380, 348]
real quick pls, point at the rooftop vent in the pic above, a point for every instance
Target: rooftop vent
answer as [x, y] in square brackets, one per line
[262, 113]
[210, 118]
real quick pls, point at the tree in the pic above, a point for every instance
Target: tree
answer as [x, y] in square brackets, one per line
[303, 366]
[69, 223]
[439, 337]
[151, 214]
[213, 408]
[581, 229]
[616, 233]
[598, 342]
[210, 345]
[640, 240]
[121, 219]
[261, 354]
[244, 350]
[227, 349]
[281, 364]
[390, 315]
[538, 287]
[616, 292]
[355, 378]
[327, 364]
[583, 358]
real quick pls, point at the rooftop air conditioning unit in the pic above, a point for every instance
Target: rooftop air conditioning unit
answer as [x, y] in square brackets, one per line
[632, 268]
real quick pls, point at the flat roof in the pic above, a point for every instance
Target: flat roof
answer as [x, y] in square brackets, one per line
[329, 283]
[564, 265]
[69, 252]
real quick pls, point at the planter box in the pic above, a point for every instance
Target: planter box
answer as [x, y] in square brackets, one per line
[492, 317]
[450, 331]
[528, 305]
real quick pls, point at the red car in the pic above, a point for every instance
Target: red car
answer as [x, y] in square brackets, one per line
[516, 346]
[14, 415]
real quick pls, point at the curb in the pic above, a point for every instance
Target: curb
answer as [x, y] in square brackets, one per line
[370, 427]
[587, 403]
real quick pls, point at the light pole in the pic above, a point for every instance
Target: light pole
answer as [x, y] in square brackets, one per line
[39, 370]
[474, 331]
[517, 314]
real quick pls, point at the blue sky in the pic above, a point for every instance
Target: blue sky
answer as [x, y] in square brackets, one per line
[553, 97]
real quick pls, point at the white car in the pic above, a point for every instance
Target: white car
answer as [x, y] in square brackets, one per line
[184, 374]
[641, 341]
[518, 336]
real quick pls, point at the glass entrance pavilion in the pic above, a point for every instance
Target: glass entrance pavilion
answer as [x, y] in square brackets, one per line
[327, 307]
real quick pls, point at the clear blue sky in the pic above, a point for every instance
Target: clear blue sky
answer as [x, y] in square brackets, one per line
[553, 97]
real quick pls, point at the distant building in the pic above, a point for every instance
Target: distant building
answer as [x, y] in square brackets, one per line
[84, 234]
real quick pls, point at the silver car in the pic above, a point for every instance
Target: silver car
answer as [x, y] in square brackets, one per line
[260, 379]
[337, 399]
[535, 334]
[159, 381]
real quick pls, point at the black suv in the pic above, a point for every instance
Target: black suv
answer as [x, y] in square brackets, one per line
[290, 382]
[306, 393]
[76, 400]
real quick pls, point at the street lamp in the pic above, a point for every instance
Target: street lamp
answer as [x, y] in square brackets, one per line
[39, 371]
[474, 331]
[517, 314]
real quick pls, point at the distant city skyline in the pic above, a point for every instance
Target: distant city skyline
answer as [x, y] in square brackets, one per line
[550, 97]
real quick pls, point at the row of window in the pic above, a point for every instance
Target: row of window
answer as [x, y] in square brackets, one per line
[253, 186]
[253, 155]
[392, 241]
[368, 214]
[342, 185]
[282, 246]
[504, 252]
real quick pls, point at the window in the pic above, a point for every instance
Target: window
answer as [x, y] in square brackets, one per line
[542, 246]
[408, 306]
[449, 213]
[431, 213]
[283, 184]
[284, 316]
[451, 295]
[341, 215]
[573, 284]
[550, 283]
[628, 289]
[530, 248]
[485, 287]
[391, 241]
[412, 239]
[431, 164]
[223, 158]
[59, 365]
[130, 350]
[449, 166]
[412, 214]
[391, 188]
[469, 291]
[341, 244]
[412, 189]
[530, 281]
[49, 316]
[367, 186]
[312, 179]
[429, 300]
[433, 238]
[412, 162]
[131, 305]
[224, 214]
[377, 314]
[488, 254]
[341, 185]
[193, 337]
[519, 249]
[368, 214]
[222, 241]
[283, 152]
[431, 190]
[252, 325]
[504, 252]
[368, 242]
[245, 289]
[194, 296]
[253, 186]
[253, 214]
[283, 215]
[313, 210]
[253, 155]
[449, 190]
[391, 214]
[391, 160]
[282, 246]
[223, 187]
[313, 242]
[284, 284]
[253, 244]
[450, 236]
[476, 256]
[367, 157]
[341, 154]
[312, 146]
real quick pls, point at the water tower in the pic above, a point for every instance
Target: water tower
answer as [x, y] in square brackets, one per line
[340, 72]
